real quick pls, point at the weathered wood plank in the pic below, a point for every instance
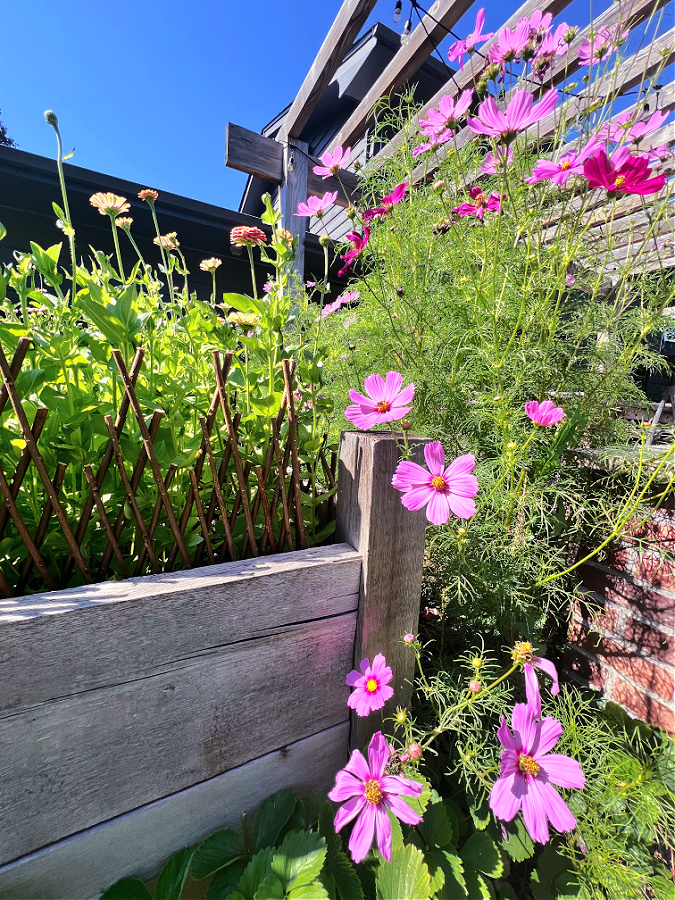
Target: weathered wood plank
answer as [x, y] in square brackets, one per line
[70, 764]
[137, 844]
[390, 539]
[342, 34]
[293, 191]
[250, 152]
[442, 16]
[59, 643]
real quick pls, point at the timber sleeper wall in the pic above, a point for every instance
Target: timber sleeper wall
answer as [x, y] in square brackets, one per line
[136, 717]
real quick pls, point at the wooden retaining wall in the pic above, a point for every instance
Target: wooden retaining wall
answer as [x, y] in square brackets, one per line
[136, 717]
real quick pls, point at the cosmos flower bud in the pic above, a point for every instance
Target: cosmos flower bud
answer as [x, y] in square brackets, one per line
[50, 116]
[570, 34]
[409, 638]
[324, 240]
[438, 186]
[415, 751]
[477, 662]
[475, 686]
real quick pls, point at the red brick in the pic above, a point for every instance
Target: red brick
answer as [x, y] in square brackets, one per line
[604, 616]
[658, 532]
[644, 671]
[652, 641]
[618, 558]
[587, 669]
[662, 715]
[657, 569]
[625, 592]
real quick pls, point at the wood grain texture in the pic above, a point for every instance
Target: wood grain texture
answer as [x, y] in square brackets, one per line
[342, 34]
[390, 539]
[442, 16]
[138, 843]
[70, 764]
[57, 644]
[294, 191]
[248, 151]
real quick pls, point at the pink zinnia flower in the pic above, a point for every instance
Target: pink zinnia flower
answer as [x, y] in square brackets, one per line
[546, 413]
[386, 402]
[315, 206]
[510, 44]
[480, 204]
[442, 490]
[528, 772]
[459, 48]
[332, 162]
[448, 113]
[518, 115]
[622, 174]
[387, 203]
[359, 244]
[369, 794]
[371, 686]
[601, 45]
[497, 163]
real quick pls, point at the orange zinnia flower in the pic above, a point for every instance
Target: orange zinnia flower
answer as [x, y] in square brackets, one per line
[210, 265]
[148, 194]
[123, 222]
[243, 235]
[109, 204]
[168, 241]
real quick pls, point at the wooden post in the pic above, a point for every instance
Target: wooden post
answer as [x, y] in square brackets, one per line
[293, 191]
[390, 539]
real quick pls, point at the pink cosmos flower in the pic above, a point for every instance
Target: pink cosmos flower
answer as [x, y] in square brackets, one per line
[601, 45]
[510, 44]
[459, 48]
[387, 203]
[571, 163]
[330, 308]
[442, 490]
[532, 682]
[315, 206]
[625, 129]
[332, 162]
[552, 44]
[386, 402]
[369, 794]
[528, 772]
[449, 111]
[498, 162]
[348, 297]
[570, 280]
[371, 686]
[481, 204]
[433, 141]
[519, 115]
[622, 173]
[545, 413]
[359, 244]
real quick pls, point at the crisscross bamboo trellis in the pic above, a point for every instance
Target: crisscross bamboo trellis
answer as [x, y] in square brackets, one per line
[269, 497]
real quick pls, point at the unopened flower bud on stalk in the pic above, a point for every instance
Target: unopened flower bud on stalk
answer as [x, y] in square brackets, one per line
[406, 425]
[415, 751]
[438, 186]
[51, 118]
[511, 445]
[324, 240]
[477, 662]
[475, 686]
[408, 638]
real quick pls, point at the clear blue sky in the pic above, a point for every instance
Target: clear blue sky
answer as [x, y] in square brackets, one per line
[144, 90]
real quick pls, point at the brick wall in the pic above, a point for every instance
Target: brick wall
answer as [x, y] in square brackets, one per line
[622, 635]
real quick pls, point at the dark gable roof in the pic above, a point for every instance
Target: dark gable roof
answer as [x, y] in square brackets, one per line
[361, 67]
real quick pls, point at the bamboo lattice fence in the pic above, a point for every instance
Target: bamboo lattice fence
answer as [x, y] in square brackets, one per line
[203, 510]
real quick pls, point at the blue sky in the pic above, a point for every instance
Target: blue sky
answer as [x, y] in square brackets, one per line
[144, 90]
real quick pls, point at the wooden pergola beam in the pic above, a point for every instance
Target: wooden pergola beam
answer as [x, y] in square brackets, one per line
[407, 60]
[343, 32]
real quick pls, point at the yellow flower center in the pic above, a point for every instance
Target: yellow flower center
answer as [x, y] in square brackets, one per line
[371, 685]
[529, 766]
[522, 652]
[383, 406]
[438, 483]
[620, 181]
[566, 165]
[373, 791]
[479, 199]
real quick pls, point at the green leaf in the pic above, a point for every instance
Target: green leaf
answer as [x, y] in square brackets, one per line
[270, 889]
[551, 876]
[477, 887]
[3, 231]
[241, 302]
[437, 880]
[337, 866]
[255, 872]
[482, 854]
[436, 828]
[271, 817]
[419, 804]
[406, 877]
[221, 849]
[313, 891]
[127, 889]
[662, 888]
[454, 887]
[173, 875]
[480, 813]
[299, 859]
[225, 881]
[506, 892]
[519, 844]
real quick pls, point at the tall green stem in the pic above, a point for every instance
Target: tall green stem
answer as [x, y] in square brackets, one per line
[70, 231]
[117, 246]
